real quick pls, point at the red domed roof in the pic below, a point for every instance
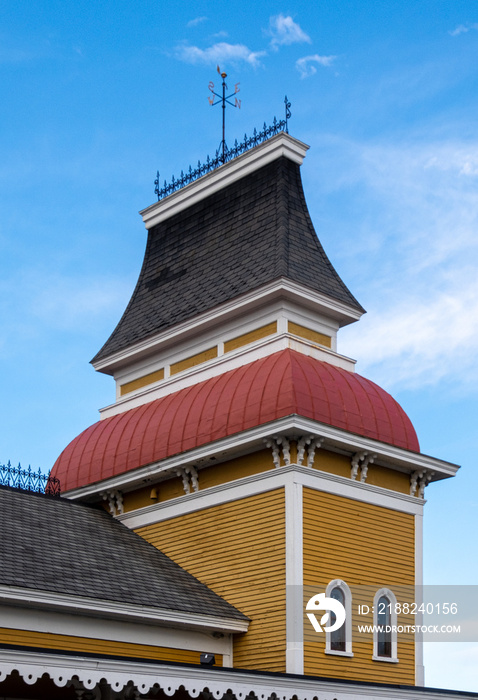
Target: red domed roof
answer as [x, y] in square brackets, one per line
[276, 386]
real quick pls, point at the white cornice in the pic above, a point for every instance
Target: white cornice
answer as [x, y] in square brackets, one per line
[194, 679]
[280, 145]
[26, 597]
[280, 288]
[387, 455]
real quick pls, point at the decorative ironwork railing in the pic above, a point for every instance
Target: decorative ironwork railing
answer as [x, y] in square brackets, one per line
[29, 480]
[224, 155]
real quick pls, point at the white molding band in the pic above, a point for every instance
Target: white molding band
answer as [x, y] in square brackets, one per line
[119, 673]
[88, 627]
[281, 288]
[223, 363]
[387, 455]
[280, 145]
[114, 610]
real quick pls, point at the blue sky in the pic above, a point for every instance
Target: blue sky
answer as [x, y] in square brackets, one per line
[98, 96]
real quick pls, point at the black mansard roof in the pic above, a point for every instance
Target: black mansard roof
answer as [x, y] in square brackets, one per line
[248, 234]
[68, 548]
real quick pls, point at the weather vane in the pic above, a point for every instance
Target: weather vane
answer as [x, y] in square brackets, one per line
[224, 99]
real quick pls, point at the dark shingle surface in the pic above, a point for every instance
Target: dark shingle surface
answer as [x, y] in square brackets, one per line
[236, 240]
[65, 547]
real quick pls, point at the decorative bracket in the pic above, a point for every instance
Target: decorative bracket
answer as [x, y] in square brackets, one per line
[285, 444]
[418, 481]
[189, 476]
[275, 444]
[312, 444]
[280, 444]
[316, 444]
[194, 477]
[115, 501]
[362, 460]
[275, 451]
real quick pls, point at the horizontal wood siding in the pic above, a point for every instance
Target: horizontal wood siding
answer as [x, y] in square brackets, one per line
[63, 642]
[193, 360]
[364, 545]
[238, 549]
[141, 381]
[309, 334]
[250, 337]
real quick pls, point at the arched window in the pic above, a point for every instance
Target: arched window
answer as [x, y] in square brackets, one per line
[340, 641]
[385, 621]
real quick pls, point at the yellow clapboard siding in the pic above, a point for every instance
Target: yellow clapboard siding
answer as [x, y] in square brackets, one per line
[99, 646]
[236, 469]
[332, 462]
[141, 381]
[309, 334]
[362, 544]
[250, 337]
[193, 360]
[238, 549]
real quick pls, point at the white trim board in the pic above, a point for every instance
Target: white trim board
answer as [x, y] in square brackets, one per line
[281, 288]
[29, 598]
[118, 673]
[294, 579]
[270, 481]
[217, 366]
[74, 625]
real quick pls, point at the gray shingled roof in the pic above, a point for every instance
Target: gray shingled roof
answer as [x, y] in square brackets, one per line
[248, 234]
[57, 545]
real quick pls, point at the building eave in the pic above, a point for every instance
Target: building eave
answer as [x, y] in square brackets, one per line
[267, 294]
[249, 440]
[59, 602]
[143, 675]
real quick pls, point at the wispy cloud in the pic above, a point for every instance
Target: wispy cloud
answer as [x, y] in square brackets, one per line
[419, 340]
[284, 31]
[412, 258]
[307, 65]
[463, 29]
[197, 20]
[222, 52]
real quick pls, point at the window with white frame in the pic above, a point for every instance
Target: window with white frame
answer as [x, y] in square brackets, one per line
[385, 626]
[340, 641]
